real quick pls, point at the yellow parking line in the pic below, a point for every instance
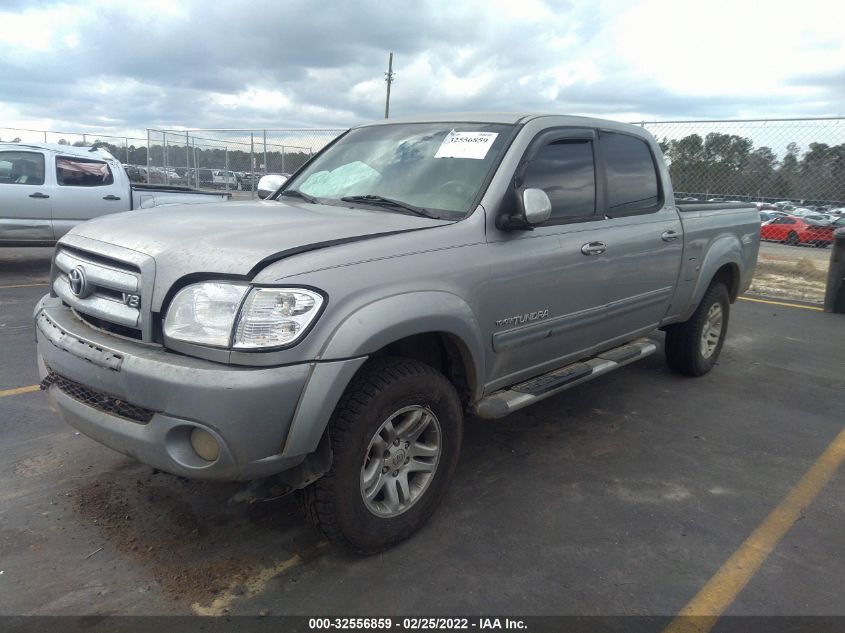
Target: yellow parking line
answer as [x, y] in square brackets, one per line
[23, 286]
[703, 611]
[781, 303]
[16, 391]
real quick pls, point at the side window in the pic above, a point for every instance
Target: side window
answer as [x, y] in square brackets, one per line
[788, 221]
[564, 170]
[631, 175]
[21, 168]
[81, 172]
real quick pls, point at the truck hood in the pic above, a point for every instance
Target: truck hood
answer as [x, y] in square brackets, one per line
[238, 238]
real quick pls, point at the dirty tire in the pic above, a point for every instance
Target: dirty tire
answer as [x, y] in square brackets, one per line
[683, 340]
[792, 239]
[335, 502]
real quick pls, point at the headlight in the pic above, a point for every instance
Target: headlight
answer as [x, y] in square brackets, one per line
[271, 317]
[208, 314]
[204, 313]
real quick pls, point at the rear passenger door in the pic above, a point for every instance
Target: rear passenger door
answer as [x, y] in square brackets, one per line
[85, 188]
[643, 237]
[25, 197]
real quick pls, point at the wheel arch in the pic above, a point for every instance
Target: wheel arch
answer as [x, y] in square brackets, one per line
[723, 262]
[436, 328]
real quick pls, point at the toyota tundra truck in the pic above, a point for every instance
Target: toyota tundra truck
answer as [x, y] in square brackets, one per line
[332, 337]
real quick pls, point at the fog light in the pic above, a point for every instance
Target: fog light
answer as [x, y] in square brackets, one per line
[204, 444]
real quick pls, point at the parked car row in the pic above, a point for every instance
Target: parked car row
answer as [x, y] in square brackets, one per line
[202, 177]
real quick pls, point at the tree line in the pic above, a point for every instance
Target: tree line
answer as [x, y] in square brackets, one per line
[728, 165]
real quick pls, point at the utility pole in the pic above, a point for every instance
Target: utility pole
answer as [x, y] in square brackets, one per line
[388, 77]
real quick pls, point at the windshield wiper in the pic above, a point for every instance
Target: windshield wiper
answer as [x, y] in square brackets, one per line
[381, 201]
[296, 193]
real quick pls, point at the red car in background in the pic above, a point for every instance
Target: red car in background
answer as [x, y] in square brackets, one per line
[794, 230]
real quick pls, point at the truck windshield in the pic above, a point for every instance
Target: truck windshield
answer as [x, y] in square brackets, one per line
[436, 168]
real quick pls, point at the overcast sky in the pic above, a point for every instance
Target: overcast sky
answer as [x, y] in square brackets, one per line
[126, 66]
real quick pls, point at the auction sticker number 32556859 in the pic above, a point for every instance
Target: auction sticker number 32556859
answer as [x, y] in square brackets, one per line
[466, 145]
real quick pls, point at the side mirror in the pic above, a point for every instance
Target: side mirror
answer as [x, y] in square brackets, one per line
[269, 184]
[536, 205]
[532, 207]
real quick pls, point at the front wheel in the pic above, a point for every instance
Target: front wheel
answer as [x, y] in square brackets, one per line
[792, 239]
[395, 437]
[693, 347]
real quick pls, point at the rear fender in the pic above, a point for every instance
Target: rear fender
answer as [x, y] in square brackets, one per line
[725, 249]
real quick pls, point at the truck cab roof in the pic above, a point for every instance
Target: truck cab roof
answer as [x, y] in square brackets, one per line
[67, 150]
[514, 118]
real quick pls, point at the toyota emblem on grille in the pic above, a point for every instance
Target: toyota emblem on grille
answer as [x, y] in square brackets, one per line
[78, 282]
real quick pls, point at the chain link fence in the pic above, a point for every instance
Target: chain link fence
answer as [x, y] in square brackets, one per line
[797, 163]
[797, 160]
[232, 160]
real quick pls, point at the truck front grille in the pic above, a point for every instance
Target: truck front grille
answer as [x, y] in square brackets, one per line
[110, 290]
[97, 399]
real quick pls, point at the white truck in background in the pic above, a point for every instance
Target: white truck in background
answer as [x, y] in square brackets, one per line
[46, 189]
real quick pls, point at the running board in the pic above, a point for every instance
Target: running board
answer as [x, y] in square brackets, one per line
[501, 403]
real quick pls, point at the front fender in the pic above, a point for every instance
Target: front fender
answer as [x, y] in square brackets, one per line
[366, 331]
[387, 320]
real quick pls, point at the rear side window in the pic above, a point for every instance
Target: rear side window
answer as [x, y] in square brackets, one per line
[21, 168]
[631, 175]
[80, 172]
[565, 171]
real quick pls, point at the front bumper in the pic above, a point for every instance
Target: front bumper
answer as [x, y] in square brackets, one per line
[248, 411]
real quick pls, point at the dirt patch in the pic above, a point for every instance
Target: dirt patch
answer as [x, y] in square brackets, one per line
[802, 278]
[184, 533]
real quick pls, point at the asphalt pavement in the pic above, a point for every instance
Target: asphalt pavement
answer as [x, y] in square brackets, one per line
[623, 496]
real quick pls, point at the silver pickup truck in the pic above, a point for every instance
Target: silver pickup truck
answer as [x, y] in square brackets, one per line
[334, 335]
[46, 189]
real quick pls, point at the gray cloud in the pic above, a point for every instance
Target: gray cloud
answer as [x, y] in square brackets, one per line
[129, 72]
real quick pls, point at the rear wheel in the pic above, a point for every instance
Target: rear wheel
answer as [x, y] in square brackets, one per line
[693, 347]
[792, 239]
[395, 438]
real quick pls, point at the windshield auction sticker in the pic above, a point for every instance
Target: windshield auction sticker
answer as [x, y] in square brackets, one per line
[466, 145]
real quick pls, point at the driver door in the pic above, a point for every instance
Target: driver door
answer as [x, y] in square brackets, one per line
[547, 293]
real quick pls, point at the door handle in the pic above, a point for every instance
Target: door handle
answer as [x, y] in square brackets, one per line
[594, 248]
[669, 236]
[111, 197]
[38, 194]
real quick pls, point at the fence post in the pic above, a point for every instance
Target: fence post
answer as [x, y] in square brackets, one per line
[148, 155]
[226, 160]
[283, 160]
[126, 146]
[187, 161]
[265, 151]
[252, 162]
[834, 297]
[166, 160]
